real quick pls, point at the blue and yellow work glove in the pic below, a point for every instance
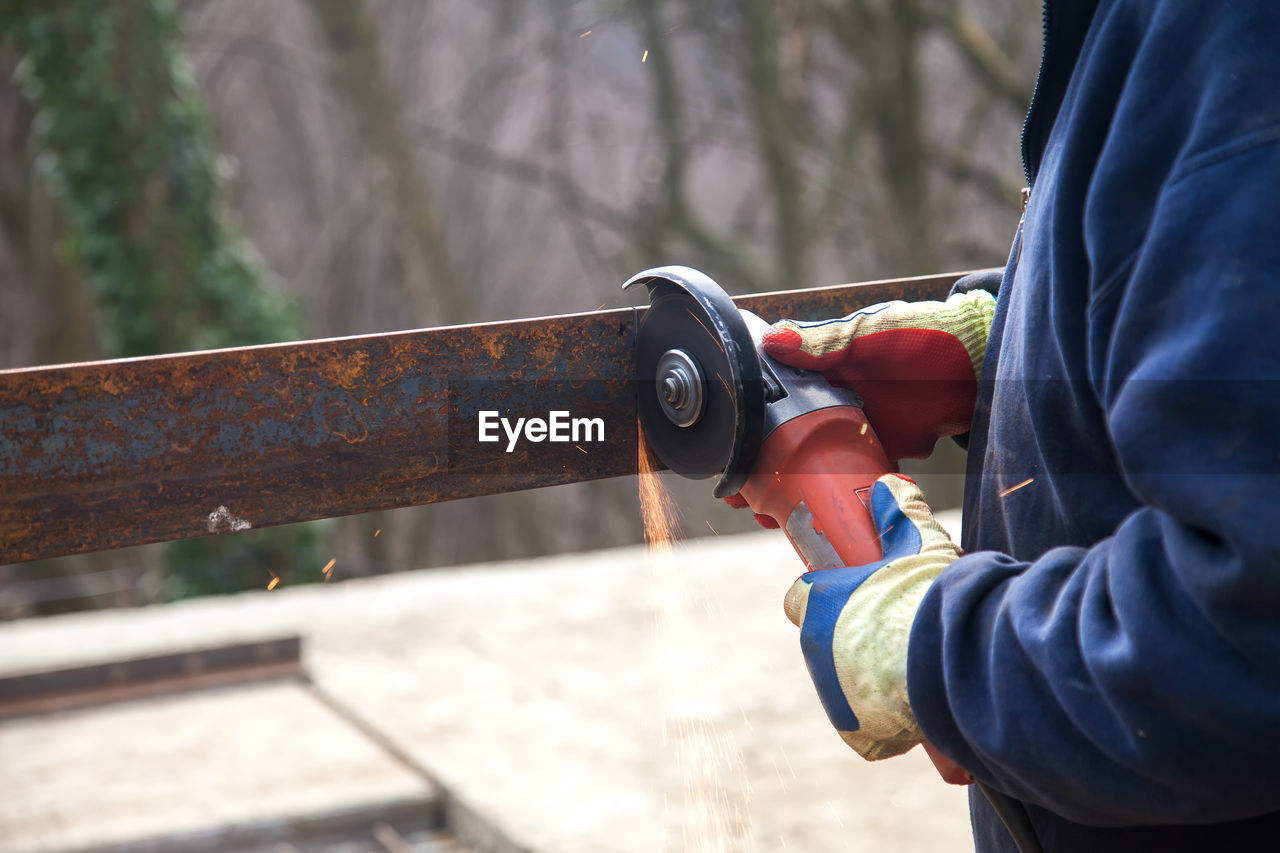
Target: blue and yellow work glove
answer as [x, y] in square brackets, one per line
[855, 622]
[915, 364]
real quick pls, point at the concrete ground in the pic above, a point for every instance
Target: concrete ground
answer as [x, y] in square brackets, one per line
[613, 701]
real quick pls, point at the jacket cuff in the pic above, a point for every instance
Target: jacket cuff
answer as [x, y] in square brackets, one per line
[940, 679]
[988, 280]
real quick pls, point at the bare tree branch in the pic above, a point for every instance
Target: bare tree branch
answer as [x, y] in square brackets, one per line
[351, 34]
[984, 55]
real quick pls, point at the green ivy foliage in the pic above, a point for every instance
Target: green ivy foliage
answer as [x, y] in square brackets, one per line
[230, 563]
[123, 146]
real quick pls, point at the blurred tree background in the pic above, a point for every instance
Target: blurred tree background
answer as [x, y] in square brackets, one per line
[185, 175]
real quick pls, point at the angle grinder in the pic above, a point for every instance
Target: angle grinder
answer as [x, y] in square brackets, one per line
[797, 449]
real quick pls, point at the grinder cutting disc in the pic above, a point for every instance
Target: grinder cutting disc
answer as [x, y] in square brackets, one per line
[700, 397]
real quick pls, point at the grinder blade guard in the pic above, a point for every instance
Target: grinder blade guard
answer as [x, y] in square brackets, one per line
[699, 391]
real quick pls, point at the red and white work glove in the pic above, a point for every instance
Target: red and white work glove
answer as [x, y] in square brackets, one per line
[915, 364]
[854, 623]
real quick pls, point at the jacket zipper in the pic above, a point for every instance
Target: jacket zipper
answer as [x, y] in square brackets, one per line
[1026, 122]
[1035, 94]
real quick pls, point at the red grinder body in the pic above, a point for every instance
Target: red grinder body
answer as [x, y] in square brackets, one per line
[817, 462]
[816, 484]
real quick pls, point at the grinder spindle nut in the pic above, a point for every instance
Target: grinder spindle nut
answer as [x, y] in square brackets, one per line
[681, 387]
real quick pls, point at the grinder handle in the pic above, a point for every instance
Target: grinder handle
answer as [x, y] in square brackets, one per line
[814, 476]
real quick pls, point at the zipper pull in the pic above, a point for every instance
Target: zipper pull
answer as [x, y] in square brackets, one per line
[1026, 197]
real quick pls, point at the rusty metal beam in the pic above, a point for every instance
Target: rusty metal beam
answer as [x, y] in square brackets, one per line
[108, 454]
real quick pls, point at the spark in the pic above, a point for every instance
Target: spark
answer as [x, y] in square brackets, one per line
[327, 571]
[725, 382]
[787, 759]
[584, 452]
[713, 530]
[661, 528]
[274, 583]
[863, 431]
[645, 57]
[376, 532]
[704, 755]
[715, 338]
[584, 35]
[1013, 489]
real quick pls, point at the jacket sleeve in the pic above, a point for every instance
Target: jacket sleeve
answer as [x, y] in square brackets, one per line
[1137, 681]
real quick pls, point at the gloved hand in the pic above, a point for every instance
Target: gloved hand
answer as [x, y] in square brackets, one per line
[854, 623]
[915, 364]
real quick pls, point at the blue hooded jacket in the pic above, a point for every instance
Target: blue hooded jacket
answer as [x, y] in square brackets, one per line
[1108, 650]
